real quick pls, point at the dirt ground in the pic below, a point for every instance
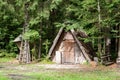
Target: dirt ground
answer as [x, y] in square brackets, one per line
[16, 71]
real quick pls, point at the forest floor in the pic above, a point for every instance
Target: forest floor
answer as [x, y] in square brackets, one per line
[15, 71]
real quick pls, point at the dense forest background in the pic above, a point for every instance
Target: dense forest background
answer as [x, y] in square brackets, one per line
[100, 19]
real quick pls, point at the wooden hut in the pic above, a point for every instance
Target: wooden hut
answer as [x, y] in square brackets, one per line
[68, 49]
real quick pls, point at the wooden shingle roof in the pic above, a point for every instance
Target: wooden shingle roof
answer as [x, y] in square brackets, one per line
[18, 39]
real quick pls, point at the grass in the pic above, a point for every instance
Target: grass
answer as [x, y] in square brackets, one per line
[46, 74]
[46, 62]
[5, 59]
[69, 75]
[2, 77]
[94, 75]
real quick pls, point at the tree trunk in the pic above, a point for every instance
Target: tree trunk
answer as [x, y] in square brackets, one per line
[40, 44]
[27, 52]
[118, 59]
[26, 42]
[99, 28]
[116, 40]
[119, 49]
[25, 48]
[107, 43]
[40, 32]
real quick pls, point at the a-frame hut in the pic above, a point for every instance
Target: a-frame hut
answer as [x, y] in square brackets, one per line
[67, 49]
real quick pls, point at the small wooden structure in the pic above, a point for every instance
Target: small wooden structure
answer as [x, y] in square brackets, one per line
[23, 55]
[67, 49]
[106, 59]
[18, 41]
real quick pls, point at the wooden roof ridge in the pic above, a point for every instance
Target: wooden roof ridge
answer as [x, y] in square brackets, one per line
[76, 39]
[55, 41]
[80, 46]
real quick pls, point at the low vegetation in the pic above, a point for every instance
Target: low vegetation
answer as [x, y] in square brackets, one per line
[36, 72]
[5, 54]
[5, 59]
[92, 75]
[89, 75]
[3, 77]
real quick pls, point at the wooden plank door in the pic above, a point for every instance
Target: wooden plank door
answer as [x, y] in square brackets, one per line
[68, 53]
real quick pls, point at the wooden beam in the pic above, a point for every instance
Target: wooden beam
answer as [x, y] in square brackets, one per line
[81, 46]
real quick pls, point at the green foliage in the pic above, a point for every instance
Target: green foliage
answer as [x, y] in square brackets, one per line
[34, 54]
[4, 53]
[55, 4]
[46, 61]
[47, 16]
[46, 44]
[31, 35]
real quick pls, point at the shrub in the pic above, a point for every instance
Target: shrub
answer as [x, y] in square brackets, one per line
[4, 53]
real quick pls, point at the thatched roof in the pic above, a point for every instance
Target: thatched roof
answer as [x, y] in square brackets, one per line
[82, 48]
[18, 39]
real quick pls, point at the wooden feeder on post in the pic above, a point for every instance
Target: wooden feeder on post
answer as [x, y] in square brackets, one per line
[18, 41]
